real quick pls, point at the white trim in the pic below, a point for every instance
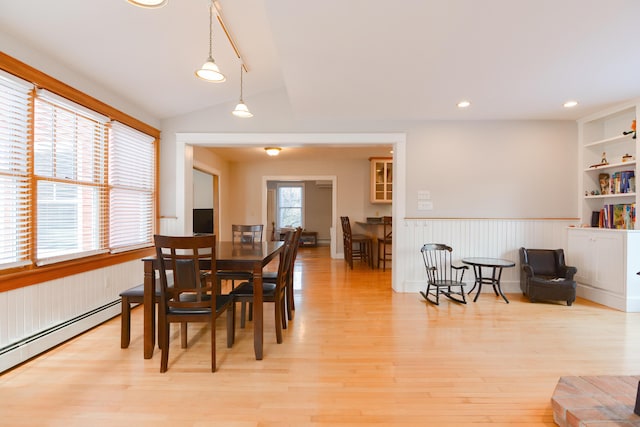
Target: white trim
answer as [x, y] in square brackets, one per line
[76, 108]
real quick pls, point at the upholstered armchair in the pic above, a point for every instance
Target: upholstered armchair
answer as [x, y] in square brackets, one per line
[544, 276]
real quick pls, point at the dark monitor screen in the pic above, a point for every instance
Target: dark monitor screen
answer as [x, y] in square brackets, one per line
[203, 221]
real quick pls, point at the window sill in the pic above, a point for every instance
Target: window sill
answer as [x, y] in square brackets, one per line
[34, 275]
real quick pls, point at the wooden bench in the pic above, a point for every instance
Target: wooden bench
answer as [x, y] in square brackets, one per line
[130, 296]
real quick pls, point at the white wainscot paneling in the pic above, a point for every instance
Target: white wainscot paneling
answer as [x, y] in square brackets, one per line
[38, 317]
[495, 238]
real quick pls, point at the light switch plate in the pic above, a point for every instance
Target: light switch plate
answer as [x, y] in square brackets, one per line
[424, 195]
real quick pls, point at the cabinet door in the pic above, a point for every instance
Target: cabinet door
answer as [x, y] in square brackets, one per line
[609, 263]
[598, 256]
[580, 255]
[381, 180]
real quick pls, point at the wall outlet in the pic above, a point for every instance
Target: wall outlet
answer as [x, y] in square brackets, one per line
[425, 205]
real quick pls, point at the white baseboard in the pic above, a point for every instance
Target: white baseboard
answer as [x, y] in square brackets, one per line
[13, 355]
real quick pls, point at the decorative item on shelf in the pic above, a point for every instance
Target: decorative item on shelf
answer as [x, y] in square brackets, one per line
[633, 130]
[627, 157]
[604, 183]
[603, 162]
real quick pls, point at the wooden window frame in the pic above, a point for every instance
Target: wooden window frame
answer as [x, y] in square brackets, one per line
[29, 275]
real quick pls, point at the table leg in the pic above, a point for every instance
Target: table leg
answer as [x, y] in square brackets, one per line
[496, 283]
[149, 309]
[477, 271]
[257, 311]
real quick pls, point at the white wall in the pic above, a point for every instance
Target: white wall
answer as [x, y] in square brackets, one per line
[43, 62]
[493, 169]
[496, 169]
[202, 190]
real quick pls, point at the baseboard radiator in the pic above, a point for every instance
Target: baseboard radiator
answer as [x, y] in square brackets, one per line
[28, 347]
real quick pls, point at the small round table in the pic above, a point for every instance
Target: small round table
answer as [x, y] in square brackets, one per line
[496, 265]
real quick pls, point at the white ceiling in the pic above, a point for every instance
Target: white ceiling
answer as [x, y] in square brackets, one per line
[351, 59]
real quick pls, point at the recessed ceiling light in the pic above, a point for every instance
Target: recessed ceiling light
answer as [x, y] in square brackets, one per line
[570, 104]
[464, 104]
[273, 151]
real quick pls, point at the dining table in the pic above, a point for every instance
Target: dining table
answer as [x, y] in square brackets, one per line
[229, 256]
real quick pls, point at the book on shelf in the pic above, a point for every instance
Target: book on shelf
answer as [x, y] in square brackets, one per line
[618, 216]
[622, 182]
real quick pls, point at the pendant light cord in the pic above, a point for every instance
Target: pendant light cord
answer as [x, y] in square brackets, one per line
[241, 83]
[211, 29]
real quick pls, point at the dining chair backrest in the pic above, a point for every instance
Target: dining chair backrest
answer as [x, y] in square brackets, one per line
[346, 228]
[387, 223]
[190, 259]
[247, 234]
[284, 266]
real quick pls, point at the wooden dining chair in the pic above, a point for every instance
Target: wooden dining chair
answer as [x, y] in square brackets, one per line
[356, 246]
[241, 235]
[384, 243]
[271, 292]
[271, 276]
[194, 296]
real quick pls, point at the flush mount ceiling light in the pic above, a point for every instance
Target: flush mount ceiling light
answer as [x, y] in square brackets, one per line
[150, 4]
[241, 109]
[210, 71]
[464, 104]
[570, 104]
[273, 151]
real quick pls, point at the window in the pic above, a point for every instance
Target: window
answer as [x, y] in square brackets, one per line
[69, 157]
[15, 107]
[290, 205]
[73, 182]
[131, 183]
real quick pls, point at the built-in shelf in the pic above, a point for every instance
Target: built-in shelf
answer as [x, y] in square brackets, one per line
[609, 196]
[631, 164]
[606, 141]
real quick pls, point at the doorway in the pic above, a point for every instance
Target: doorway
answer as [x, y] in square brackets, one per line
[206, 195]
[313, 211]
[184, 161]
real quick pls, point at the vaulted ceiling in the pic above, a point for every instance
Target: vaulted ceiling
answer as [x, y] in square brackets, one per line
[350, 59]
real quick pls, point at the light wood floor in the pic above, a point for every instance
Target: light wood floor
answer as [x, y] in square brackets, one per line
[356, 354]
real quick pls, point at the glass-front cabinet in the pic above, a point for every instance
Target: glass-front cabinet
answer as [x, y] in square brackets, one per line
[381, 179]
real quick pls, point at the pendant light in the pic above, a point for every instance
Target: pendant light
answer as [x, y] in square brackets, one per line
[210, 71]
[150, 4]
[241, 109]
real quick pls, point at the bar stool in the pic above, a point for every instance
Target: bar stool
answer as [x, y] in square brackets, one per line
[356, 246]
[384, 243]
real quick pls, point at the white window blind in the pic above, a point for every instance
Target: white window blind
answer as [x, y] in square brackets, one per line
[69, 172]
[15, 113]
[132, 188]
